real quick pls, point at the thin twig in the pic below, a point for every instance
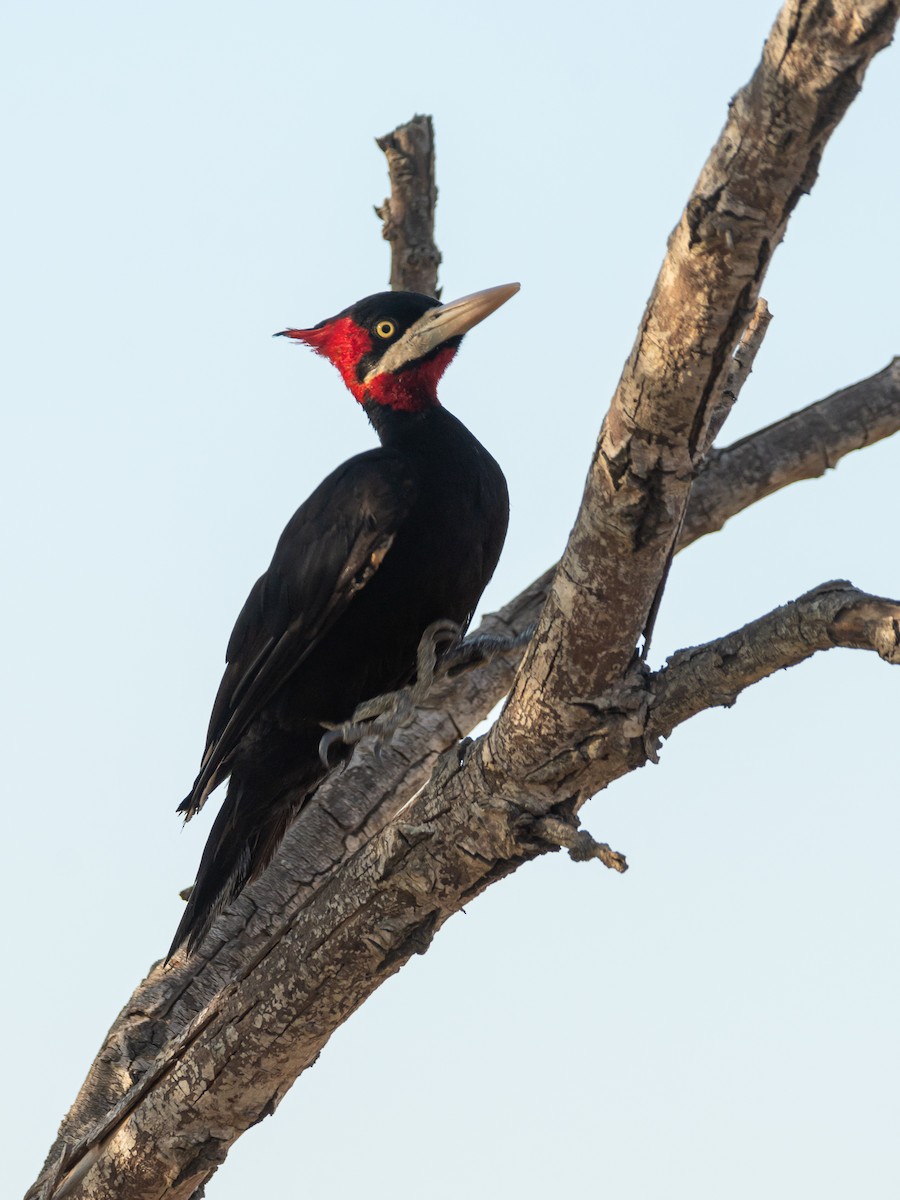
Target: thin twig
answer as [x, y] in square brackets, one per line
[738, 371]
[833, 614]
[580, 844]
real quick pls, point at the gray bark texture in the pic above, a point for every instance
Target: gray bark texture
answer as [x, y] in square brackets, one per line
[408, 213]
[207, 1047]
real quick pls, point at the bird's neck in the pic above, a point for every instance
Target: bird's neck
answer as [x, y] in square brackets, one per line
[413, 389]
[398, 427]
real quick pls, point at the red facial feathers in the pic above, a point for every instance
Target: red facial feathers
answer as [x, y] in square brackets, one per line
[345, 344]
[415, 387]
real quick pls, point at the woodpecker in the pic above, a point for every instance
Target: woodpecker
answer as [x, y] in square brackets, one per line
[396, 539]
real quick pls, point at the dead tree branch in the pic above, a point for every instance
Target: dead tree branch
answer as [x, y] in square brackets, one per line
[652, 438]
[257, 1010]
[835, 614]
[355, 805]
[408, 214]
[738, 371]
[802, 446]
[242, 1053]
[351, 807]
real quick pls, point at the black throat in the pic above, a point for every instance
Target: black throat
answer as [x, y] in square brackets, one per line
[394, 426]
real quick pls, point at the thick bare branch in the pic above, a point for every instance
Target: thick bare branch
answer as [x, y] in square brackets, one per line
[463, 832]
[766, 157]
[408, 214]
[349, 809]
[327, 832]
[801, 446]
[357, 804]
[472, 825]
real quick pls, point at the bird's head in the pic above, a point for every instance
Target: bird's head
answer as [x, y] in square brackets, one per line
[392, 348]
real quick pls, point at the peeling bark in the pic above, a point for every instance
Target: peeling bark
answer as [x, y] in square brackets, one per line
[207, 1048]
[651, 442]
[462, 833]
[357, 804]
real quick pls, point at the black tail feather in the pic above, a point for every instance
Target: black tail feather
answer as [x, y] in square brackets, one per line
[241, 843]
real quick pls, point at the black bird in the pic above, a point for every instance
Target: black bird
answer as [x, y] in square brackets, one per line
[395, 539]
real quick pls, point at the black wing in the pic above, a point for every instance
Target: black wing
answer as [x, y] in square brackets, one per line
[330, 549]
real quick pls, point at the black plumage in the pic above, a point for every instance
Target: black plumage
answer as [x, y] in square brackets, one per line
[393, 540]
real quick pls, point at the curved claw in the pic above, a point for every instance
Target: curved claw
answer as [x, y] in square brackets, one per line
[384, 715]
[326, 741]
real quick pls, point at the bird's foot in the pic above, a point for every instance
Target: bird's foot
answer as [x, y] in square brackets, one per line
[481, 648]
[452, 760]
[384, 715]
[441, 654]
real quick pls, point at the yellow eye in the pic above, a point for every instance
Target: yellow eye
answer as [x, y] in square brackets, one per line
[385, 329]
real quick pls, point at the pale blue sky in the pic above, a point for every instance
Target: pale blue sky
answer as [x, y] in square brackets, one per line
[181, 181]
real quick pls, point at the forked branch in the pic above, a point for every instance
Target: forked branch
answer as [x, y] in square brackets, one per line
[464, 831]
[581, 713]
[654, 433]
